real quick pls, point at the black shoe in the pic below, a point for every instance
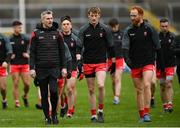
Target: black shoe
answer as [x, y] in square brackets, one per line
[93, 119]
[38, 106]
[25, 101]
[170, 110]
[100, 117]
[152, 103]
[55, 120]
[63, 111]
[48, 121]
[4, 104]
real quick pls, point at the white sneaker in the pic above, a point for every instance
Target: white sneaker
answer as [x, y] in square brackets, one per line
[116, 101]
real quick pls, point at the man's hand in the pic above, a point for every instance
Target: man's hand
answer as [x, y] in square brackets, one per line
[33, 73]
[4, 64]
[25, 55]
[112, 68]
[80, 76]
[36, 82]
[128, 62]
[13, 56]
[64, 72]
[80, 72]
[68, 75]
[79, 66]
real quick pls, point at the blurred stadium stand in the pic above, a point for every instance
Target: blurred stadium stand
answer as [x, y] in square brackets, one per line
[78, 10]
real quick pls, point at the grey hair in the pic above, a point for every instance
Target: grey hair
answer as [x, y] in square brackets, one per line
[46, 12]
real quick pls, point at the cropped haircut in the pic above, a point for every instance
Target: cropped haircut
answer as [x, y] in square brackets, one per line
[163, 20]
[45, 12]
[16, 23]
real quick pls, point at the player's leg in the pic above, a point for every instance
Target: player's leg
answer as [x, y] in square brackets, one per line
[3, 88]
[163, 93]
[61, 83]
[117, 84]
[147, 79]
[139, 96]
[26, 81]
[117, 79]
[169, 87]
[92, 96]
[101, 75]
[70, 92]
[153, 88]
[15, 78]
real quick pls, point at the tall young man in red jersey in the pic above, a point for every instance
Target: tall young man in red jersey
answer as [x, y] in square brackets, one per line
[96, 38]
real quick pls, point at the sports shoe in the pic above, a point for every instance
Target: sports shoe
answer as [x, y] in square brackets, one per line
[100, 117]
[4, 104]
[69, 115]
[55, 120]
[93, 119]
[48, 121]
[165, 107]
[147, 118]
[141, 120]
[170, 107]
[25, 101]
[152, 103]
[17, 104]
[63, 111]
[38, 106]
[116, 101]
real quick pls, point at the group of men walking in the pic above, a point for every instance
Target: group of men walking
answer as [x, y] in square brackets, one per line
[58, 56]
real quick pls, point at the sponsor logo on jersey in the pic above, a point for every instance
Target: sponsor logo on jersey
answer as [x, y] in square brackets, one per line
[88, 35]
[72, 44]
[41, 37]
[54, 37]
[169, 40]
[119, 37]
[132, 34]
[12, 43]
[145, 33]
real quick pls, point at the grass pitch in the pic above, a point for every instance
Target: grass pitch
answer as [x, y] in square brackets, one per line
[124, 114]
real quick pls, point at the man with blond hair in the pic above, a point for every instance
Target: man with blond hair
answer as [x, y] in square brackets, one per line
[96, 41]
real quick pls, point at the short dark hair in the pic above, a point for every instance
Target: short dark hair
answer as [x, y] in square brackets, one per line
[16, 23]
[113, 22]
[164, 20]
[66, 18]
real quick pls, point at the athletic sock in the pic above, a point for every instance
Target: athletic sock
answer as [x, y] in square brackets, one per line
[141, 113]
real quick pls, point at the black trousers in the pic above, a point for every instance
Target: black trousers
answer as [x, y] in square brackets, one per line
[178, 73]
[53, 89]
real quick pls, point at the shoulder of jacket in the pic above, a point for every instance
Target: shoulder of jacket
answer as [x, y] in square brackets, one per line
[171, 34]
[84, 27]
